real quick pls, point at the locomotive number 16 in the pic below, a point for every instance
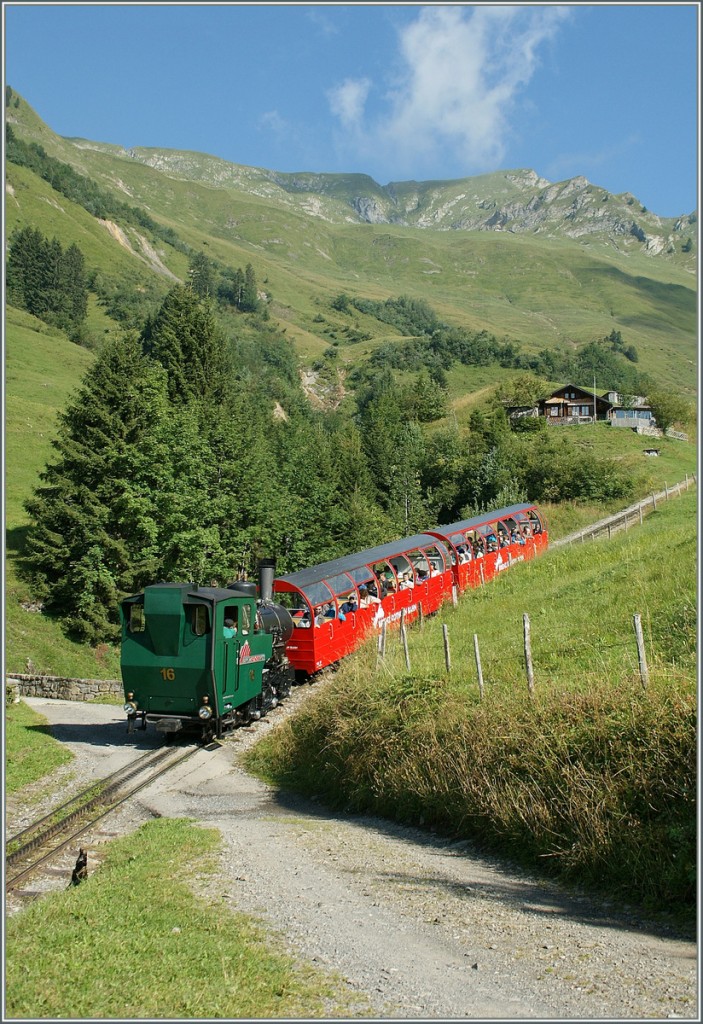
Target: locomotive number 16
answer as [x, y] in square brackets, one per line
[168, 673]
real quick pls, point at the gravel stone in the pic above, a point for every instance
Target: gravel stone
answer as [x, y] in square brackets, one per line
[419, 926]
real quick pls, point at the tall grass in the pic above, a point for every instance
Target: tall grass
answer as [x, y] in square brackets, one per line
[593, 778]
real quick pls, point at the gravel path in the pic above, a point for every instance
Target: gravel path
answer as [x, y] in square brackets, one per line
[418, 925]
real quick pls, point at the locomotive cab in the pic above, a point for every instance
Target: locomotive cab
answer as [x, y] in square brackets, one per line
[202, 658]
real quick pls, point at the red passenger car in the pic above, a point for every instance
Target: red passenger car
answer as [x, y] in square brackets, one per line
[487, 544]
[336, 604]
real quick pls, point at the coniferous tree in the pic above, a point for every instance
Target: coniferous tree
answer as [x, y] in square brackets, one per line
[74, 283]
[185, 339]
[27, 271]
[93, 533]
[249, 301]
[201, 275]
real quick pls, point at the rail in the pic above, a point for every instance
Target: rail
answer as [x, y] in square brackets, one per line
[629, 516]
[91, 807]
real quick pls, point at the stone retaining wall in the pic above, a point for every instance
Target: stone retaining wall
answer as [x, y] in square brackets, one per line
[55, 687]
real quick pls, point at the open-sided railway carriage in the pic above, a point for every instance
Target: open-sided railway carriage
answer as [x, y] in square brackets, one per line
[487, 544]
[210, 658]
[335, 604]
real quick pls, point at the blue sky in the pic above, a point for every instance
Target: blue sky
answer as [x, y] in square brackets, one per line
[396, 91]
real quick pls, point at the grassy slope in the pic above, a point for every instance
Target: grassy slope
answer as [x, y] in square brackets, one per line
[593, 778]
[42, 369]
[31, 752]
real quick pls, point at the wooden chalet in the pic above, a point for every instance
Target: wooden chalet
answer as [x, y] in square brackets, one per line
[571, 404]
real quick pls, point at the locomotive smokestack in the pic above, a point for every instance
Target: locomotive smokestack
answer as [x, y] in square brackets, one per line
[267, 571]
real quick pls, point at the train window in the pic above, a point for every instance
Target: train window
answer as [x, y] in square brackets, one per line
[292, 600]
[361, 575]
[199, 620]
[339, 584]
[403, 571]
[137, 622]
[246, 618]
[436, 559]
[317, 593]
[385, 575]
[296, 605]
[420, 565]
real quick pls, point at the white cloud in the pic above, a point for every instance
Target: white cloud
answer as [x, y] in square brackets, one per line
[461, 71]
[272, 122]
[347, 101]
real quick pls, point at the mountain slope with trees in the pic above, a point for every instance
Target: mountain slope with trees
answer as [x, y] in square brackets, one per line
[268, 382]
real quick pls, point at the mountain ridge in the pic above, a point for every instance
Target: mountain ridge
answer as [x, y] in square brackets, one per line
[548, 266]
[515, 201]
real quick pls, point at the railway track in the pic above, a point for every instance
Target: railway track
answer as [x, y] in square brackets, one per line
[31, 849]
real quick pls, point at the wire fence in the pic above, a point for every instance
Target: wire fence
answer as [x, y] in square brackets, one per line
[629, 516]
[592, 645]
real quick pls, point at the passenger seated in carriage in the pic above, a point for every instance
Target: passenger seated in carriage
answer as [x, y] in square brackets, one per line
[350, 605]
[366, 598]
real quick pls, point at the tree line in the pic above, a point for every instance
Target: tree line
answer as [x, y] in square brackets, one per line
[47, 280]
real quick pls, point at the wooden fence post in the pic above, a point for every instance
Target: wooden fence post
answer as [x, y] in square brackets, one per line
[455, 596]
[421, 616]
[447, 655]
[404, 639]
[609, 532]
[654, 501]
[528, 655]
[382, 641]
[666, 490]
[626, 519]
[480, 569]
[687, 481]
[478, 666]
[641, 656]
[640, 513]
